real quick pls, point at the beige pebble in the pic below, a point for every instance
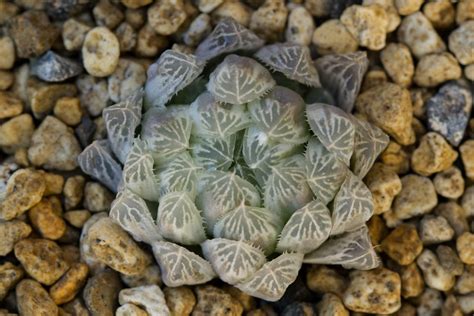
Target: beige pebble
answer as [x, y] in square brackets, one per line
[417, 33]
[100, 52]
[384, 184]
[54, 183]
[455, 215]
[73, 33]
[412, 281]
[86, 254]
[233, 9]
[406, 7]
[377, 230]
[464, 11]
[7, 11]
[42, 259]
[467, 201]
[97, 198]
[128, 77]
[368, 24]
[127, 37]
[466, 303]
[433, 155]
[449, 259]
[69, 284]
[150, 276]
[390, 9]
[207, 295]
[107, 14]
[130, 310]
[150, 297]
[77, 218]
[322, 279]
[440, 13]
[10, 105]
[331, 305]
[300, 26]
[10, 275]
[44, 97]
[166, 16]
[430, 302]
[150, 44]
[68, 110]
[373, 77]
[461, 43]
[417, 197]
[75, 307]
[10, 233]
[73, 191]
[395, 157]
[6, 79]
[434, 69]
[43, 218]
[389, 107]
[17, 132]
[434, 274]
[180, 300]
[467, 156]
[469, 72]
[135, 17]
[464, 247]
[207, 6]
[397, 61]
[269, 20]
[101, 293]
[332, 37]
[33, 300]
[135, 4]
[451, 306]
[435, 230]
[93, 94]
[318, 8]
[403, 244]
[465, 283]
[449, 183]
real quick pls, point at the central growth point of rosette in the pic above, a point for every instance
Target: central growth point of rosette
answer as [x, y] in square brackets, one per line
[241, 169]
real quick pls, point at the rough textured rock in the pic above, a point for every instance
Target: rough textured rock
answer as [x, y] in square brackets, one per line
[42, 259]
[10, 233]
[467, 156]
[52, 67]
[331, 305]
[150, 276]
[126, 79]
[233, 9]
[7, 51]
[97, 198]
[33, 300]
[149, 297]
[126, 36]
[207, 295]
[77, 218]
[449, 260]
[269, 20]
[73, 33]
[70, 284]
[332, 37]
[107, 14]
[10, 275]
[130, 310]
[430, 302]
[403, 244]
[455, 215]
[300, 26]
[46, 221]
[397, 61]
[44, 97]
[375, 291]
[461, 42]
[406, 7]
[467, 201]
[166, 16]
[73, 191]
[322, 279]
[180, 300]
[412, 281]
[434, 274]
[441, 13]
[101, 293]
[17, 132]
[93, 93]
[434, 154]
[434, 69]
[384, 184]
[395, 157]
[100, 52]
[465, 283]
[464, 246]
[435, 230]
[68, 110]
[449, 183]
[149, 43]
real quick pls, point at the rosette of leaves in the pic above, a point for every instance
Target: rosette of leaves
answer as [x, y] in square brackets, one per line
[235, 162]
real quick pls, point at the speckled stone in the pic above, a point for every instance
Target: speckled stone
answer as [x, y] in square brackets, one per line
[440, 13]
[269, 20]
[248, 302]
[150, 297]
[331, 305]
[166, 16]
[151, 275]
[149, 43]
[396, 158]
[107, 14]
[6, 79]
[435, 69]
[128, 77]
[75, 307]
[403, 244]
[180, 300]
[300, 26]
[135, 4]
[465, 249]
[430, 302]
[101, 293]
[461, 43]
[10, 275]
[455, 215]
[406, 7]
[384, 184]
[434, 274]
[70, 284]
[7, 51]
[332, 37]
[52, 67]
[68, 110]
[16, 132]
[126, 36]
[10, 233]
[100, 52]
[465, 283]
[451, 306]
[435, 230]
[391, 10]
[237, 10]
[97, 198]
[33, 300]
[434, 154]
[467, 201]
[46, 221]
[44, 97]
[398, 62]
[208, 295]
[73, 33]
[130, 310]
[467, 156]
[449, 260]
[93, 93]
[412, 280]
[375, 291]
[449, 183]
[323, 279]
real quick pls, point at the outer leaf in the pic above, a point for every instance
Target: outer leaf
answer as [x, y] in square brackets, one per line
[179, 220]
[132, 214]
[97, 161]
[353, 205]
[220, 192]
[180, 266]
[293, 60]
[238, 80]
[228, 36]
[281, 115]
[324, 171]
[218, 120]
[121, 120]
[369, 142]
[179, 175]
[213, 153]
[166, 132]
[138, 173]
[306, 229]
[352, 250]
[334, 128]
[286, 189]
[234, 261]
[257, 225]
[272, 280]
[342, 75]
[172, 72]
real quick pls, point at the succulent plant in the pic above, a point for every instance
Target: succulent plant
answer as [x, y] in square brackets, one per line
[242, 172]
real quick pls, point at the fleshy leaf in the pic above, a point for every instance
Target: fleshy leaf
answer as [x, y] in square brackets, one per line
[342, 75]
[179, 220]
[306, 229]
[213, 153]
[234, 261]
[121, 120]
[138, 175]
[369, 142]
[172, 72]
[131, 212]
[166, 132]
[215, 119]
[97, 161]
[293, 60]
[179, 175]
[228, 36]
[220, 192]
[179, 266]
[334, 128]
[286, 189]
[352, 206]
[351, 250]
[281, 115]
[324, 171]
[238, 80]
[259, 226]
[272, 280]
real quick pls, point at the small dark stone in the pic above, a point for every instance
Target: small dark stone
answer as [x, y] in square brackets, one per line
[338, 6]
[85, 131]
[448, 111]
[63, 9]
[52, 67]
[299, 309]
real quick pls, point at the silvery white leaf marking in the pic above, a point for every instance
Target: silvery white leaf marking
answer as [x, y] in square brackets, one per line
[97, 161]
[238, 80]
[179, 175]
[179, 266]
[150, 297]
[369, 142]
[166, 132]
[286, 189]
[324, 171]
[215, 119]
[281, 116]
[228, 36]
[306, 229]
[342, 75]
[213, 153]
[293, 60]
[179, 220]
[219, 192]
[172, 72]
[352, 250]
[131, 212]
[334, 128]
[138, 175]
[259, 226]
[272, 280]
[353, 205]
[234, 261]
[121, 120]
